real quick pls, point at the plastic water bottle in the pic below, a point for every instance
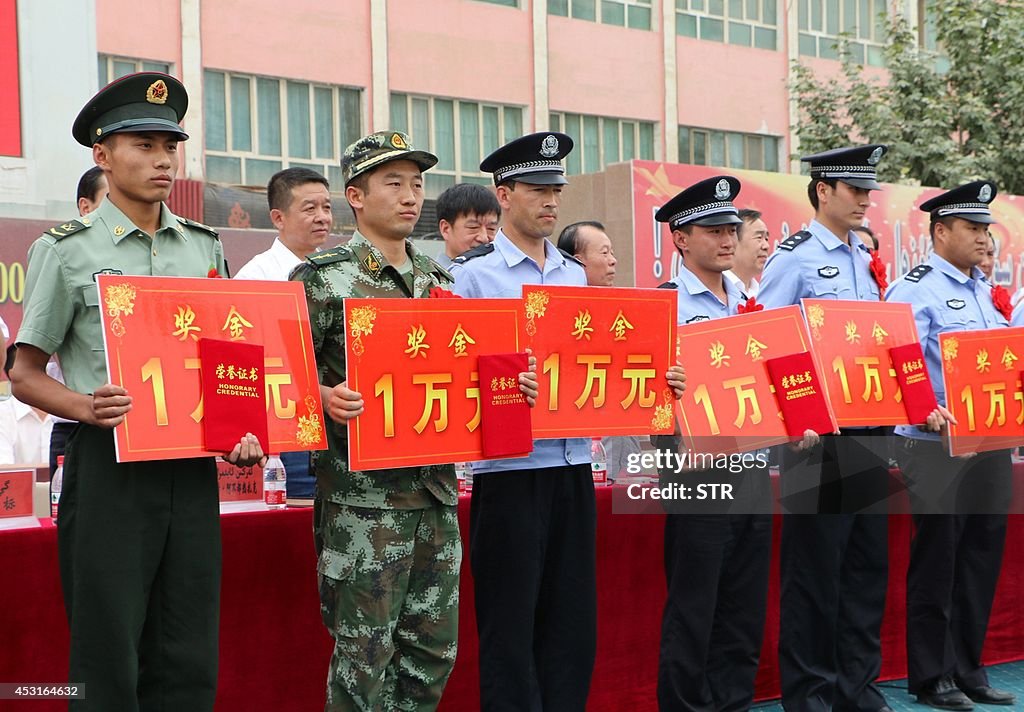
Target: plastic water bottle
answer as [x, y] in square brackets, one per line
[56, 485]
[598, 462]
[275, 483]
[461, 470]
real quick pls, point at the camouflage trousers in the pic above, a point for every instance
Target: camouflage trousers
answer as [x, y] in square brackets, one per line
[389, 596]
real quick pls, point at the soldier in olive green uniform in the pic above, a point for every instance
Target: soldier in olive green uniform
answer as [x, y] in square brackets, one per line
[139, 543]
[388, 540]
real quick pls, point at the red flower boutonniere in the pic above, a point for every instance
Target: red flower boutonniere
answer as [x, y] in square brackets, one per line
[1001, 301]
[213, 273]
[438, 293]
[878, 272]
[750, 306]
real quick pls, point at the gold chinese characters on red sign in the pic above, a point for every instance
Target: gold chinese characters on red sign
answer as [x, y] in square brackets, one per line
[981, 371]
[602, 355]
[851, 342]
[415, 362]
[729, 405]
[151, 329]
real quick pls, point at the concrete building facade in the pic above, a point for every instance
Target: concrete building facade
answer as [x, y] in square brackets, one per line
[272, 85]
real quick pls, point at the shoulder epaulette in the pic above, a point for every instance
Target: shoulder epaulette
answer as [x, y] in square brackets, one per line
[917, 273]
[574, 258]
[435, 267]
[795, 240]
[478, 251]
[668, 285]
[65, 229]
[329, 257]
[198, 226]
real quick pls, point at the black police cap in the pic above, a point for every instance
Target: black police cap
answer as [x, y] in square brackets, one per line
[707, 203]
[536, 158]
[146, 101]
[969, 201]
[854, 166]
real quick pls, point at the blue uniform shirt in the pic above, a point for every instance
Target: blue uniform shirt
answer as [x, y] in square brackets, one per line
[698, 303]
[501, 273]
[444, 260]
[820, 267]
[944, 299]
[1017, 318]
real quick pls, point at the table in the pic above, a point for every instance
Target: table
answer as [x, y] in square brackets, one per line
[274, 648]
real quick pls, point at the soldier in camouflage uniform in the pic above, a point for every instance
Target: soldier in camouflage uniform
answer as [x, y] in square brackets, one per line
[388, 541]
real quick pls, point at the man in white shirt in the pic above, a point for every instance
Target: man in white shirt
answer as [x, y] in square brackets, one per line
[300, 208]
[24, 430]
[751, 252]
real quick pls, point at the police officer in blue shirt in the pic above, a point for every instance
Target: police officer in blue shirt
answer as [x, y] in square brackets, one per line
[717, 554]
[834, 565]
[959, 505]
[533, 519]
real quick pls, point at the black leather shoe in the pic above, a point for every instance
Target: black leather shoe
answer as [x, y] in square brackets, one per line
[943, 694]
[987, 695]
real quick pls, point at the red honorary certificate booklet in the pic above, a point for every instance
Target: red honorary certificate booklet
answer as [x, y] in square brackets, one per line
[918, 395]
[504, 412]
[799, 393]
[233, 393]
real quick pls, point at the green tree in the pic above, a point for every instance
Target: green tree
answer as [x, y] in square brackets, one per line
[946, 122]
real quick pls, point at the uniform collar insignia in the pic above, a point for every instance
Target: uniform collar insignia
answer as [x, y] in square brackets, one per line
[372, 264]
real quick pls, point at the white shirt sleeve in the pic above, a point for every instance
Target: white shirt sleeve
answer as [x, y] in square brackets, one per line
[8, 432]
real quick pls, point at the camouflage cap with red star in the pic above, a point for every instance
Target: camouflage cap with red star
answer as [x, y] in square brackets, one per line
[381, 147]
[146, 101]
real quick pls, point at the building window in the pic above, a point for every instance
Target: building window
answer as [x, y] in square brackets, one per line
[728, 149]
[927, 34]
[256, 126]
[111, 68]
[821, 23]
[460, 133]
[752, 23]
[625, 13]
[509, 3]
[601, 141]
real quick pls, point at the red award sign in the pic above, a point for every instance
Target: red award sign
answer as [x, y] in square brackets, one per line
[912, 374]
[151, 331]
[415, 363]
[981, 371]
[799, 394]
[851, 342]
[602, 354]
[729, 405]
[16, 488]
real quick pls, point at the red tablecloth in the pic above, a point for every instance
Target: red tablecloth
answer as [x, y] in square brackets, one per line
[274, 649]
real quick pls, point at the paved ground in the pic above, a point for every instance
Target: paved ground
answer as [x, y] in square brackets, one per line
[1009, 676]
